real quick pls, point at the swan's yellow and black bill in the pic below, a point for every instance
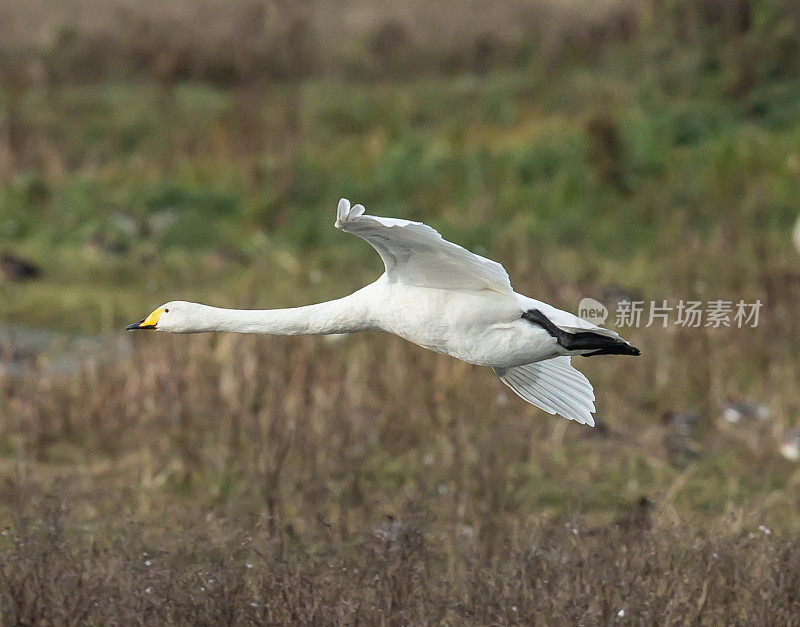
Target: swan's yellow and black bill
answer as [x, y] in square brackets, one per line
[146, 323]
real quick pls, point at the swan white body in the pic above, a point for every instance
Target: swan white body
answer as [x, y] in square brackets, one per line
[441, 297]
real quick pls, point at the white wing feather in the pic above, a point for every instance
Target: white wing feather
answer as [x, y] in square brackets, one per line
[554, 386]
[416, 254]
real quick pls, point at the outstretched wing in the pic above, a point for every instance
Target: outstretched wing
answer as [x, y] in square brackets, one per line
[415, 254]
[554, 386]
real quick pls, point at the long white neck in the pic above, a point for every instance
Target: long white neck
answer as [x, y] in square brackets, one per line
[344, 315]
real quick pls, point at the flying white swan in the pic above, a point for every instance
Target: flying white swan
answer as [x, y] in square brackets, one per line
[440, 296]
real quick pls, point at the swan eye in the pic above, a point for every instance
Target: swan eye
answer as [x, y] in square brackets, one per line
[166, 311]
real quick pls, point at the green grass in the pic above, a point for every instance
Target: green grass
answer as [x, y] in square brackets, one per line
[511, 165]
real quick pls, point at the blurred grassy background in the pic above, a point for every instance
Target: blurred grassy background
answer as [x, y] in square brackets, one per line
[652, 146]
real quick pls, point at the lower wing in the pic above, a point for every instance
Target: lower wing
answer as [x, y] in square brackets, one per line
[554, 386]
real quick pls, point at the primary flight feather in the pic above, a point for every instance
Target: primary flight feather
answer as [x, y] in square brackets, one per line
[440, 296]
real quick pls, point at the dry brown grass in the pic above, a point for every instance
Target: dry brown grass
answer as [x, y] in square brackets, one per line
[255, 40]
[243, 480]
[251, 570]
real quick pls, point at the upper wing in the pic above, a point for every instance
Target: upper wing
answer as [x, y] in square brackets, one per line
[554, 386]
[415, 254]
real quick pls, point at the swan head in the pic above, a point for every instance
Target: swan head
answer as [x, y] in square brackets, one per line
[176, 316]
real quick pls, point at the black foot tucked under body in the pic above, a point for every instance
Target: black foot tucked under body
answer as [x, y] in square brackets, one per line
[583, 340]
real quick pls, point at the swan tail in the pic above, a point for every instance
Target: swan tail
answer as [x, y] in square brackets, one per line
[554, 386]
[589, 343]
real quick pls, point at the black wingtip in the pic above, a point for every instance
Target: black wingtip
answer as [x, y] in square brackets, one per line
[620, 348]
[582, 340]
[627, 349]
